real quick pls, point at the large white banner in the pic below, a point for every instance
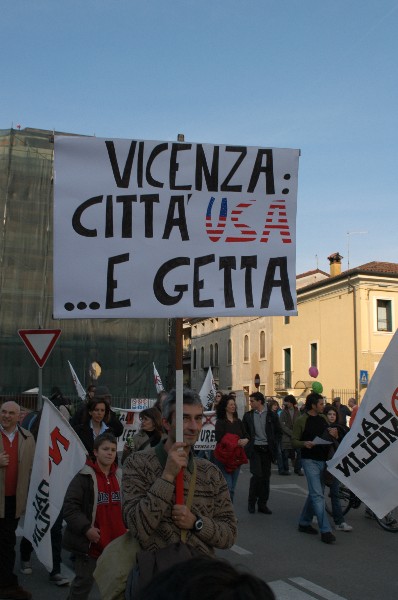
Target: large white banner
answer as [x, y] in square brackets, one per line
[59, 455]
[170, 229]
[367, 458]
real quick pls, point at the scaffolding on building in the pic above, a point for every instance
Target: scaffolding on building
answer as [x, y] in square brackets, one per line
[125, 348]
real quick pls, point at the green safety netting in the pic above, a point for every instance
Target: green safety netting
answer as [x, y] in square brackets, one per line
[125, 348]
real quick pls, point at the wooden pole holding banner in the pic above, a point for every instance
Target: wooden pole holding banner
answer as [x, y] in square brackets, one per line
[179, 393]
[179, 407]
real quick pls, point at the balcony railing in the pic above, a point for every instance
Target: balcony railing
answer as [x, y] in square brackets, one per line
[283, 380]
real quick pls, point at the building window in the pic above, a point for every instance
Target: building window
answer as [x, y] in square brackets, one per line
[384, 315]
[194, 360]
[246, 348]
[314, 354]
[216, 355]
[229, 353]
[287, 362]
[211, 355]
[202, 358]
[262, 344]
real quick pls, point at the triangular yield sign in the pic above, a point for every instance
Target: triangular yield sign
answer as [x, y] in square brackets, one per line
[39, 342]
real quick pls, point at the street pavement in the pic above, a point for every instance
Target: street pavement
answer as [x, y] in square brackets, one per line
[361, 565]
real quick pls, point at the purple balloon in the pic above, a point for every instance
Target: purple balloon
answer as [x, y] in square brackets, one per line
[313, 371]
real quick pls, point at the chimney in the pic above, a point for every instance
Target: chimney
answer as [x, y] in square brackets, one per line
[335, 264]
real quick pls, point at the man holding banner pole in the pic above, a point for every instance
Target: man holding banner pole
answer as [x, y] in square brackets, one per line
[150, 507]
[16, 458]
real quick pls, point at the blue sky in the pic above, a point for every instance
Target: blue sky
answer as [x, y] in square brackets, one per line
[319, 75]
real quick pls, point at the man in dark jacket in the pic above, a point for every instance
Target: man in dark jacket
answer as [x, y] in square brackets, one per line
[307, 431]
[264, 431]
[287, 418]
[342, 410]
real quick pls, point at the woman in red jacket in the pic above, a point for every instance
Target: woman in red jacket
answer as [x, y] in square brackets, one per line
[231, 438]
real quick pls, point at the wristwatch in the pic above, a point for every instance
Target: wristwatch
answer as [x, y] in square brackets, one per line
[198, 524]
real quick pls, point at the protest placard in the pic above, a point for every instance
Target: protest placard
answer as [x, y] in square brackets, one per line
[170, 229]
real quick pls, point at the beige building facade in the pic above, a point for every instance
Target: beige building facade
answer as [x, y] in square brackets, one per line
[344, 324]
[236, 349]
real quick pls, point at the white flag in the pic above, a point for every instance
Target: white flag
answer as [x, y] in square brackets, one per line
[158, 381]
[79, 388]
[367, 459]
[208, 392]
[59, 456]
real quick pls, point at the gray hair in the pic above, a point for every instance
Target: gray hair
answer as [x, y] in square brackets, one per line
[189, 397]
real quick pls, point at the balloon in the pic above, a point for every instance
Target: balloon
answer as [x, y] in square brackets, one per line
[317, 387]
[313, 371]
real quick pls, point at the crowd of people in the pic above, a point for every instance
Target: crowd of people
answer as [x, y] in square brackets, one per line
[103, 500]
